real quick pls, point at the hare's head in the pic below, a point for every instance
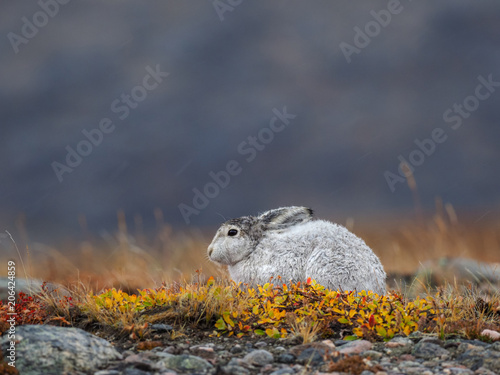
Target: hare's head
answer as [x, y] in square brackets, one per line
[237, 238]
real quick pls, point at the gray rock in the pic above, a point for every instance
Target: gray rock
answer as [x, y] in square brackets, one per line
[186, 363]
[205, 352]
[452, 344]
[432, 339]
[399, 341]
[416, 336]
[460, 270]
[286, 358]
[356, 347]
[463, 347]
[496, 346]
[283, 371]
[224, 353]
[341, 342]
[49, 349]
[406, 364]
[234, 370]
[108, 372]
[433, 364]
[428, 350]
[258, 357]
[372, 354]
[476, 343]
[311, 356]
[145, 361]
[459, 371]
[135, 371]
[398, 346]
[30, 286]
[483, 371]
[237, 362]
[236, 349]
[475, 357]
[161, 327]
[411, 370]
[260, 344]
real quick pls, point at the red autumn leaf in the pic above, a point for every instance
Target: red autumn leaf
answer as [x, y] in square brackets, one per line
[371, 321]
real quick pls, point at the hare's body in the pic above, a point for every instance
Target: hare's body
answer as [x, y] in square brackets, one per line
[287, 243]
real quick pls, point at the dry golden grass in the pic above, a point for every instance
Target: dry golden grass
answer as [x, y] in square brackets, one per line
[403, 245]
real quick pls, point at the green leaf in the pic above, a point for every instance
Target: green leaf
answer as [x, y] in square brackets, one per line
[351, 338]
[259, 332]
[221, 324]
[381, 331]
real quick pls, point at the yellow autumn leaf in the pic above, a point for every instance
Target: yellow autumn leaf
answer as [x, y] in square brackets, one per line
[227, 319]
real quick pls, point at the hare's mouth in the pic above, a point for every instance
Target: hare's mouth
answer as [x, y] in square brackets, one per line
[213, 257]
[220, 257]
[222, 261]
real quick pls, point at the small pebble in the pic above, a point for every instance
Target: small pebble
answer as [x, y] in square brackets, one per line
[279, 349]
[283, 371]
[341, 342]
[311, 356]
[356, 347]
[494, 335]
[258, 357]
[286, 358]
[236, 349]
[161, 328]
[234, 370]
[428, 350]
[372, 354]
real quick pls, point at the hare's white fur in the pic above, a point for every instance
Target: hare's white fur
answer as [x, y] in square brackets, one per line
[286, 242]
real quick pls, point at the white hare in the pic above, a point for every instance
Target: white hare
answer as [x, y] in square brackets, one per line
[286, 242]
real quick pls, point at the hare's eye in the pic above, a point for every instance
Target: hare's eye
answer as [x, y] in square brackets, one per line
[232, 232]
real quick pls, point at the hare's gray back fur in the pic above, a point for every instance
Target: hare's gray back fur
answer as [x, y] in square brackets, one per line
[286, 242]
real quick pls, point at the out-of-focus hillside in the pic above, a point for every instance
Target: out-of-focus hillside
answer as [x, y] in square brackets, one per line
[353, 119]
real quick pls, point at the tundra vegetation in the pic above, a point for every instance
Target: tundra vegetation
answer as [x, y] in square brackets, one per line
[115, 294]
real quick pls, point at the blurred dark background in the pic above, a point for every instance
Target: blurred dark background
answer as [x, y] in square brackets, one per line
[229, 67]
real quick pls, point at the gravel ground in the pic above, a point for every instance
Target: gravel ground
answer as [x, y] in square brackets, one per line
[417, 354]
[49, 350]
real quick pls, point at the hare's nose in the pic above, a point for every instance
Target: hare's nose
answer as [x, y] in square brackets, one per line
[210, 250]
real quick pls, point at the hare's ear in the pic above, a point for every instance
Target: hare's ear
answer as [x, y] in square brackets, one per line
[281, 218]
